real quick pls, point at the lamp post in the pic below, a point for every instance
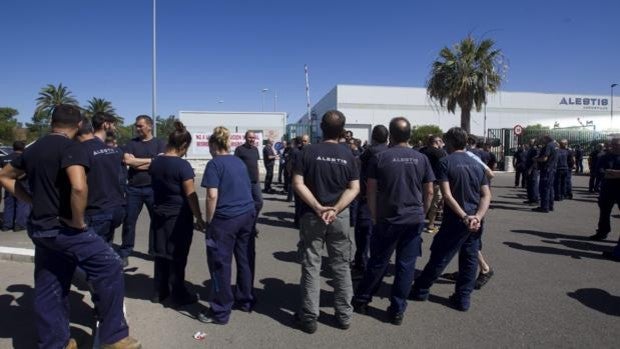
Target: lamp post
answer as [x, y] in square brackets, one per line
[154, 105]
[263, 91]
[612, 105]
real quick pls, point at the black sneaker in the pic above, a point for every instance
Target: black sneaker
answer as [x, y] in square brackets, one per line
[308, 326]
[18, 228]
[396, 319]
[207, 318]
[598, 237]
[343, 325]
[186, 298]
[540, 209]
[457, 304]
[360, 308]
[611, 256]
[483, 278]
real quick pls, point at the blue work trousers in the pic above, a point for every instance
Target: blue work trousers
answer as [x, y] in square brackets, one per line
[532, 186]
[559, 184]
[136, 197]
[16, 212]
[363, 232]
[106, 221]
[227, 237]
[453, 237]
[56, 258]
[546, 189]
[387, 238]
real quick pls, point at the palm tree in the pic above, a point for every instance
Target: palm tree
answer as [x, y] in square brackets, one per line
[464, 75]
[96, 105]
[51, 96]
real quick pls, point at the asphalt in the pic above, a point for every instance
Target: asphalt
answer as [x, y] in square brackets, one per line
[551, 288]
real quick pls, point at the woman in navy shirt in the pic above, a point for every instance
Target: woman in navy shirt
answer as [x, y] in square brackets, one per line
[230, 219]
[172, 225]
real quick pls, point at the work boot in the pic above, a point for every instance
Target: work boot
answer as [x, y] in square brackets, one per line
[72, 344]
[125, 343]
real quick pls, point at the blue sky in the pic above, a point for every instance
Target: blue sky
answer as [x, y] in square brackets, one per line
[210, 50]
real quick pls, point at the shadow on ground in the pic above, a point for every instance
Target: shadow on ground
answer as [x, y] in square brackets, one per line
[597, 299]
[17, 317]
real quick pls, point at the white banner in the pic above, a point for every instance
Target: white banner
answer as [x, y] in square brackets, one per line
[201, 142]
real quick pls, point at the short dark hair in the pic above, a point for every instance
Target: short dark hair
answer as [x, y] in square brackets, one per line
[332, 124]
[86, 128]
[456, 137]
[179, 137]
[19, 145]
[100, 118]
[400, 132]
[380, 134]
[65, 115]
[146, 118]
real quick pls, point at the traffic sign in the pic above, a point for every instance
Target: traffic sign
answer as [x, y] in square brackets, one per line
[518, 130]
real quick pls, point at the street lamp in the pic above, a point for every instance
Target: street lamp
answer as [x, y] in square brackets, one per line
[612, 105]
[264, 91]
[154, 69]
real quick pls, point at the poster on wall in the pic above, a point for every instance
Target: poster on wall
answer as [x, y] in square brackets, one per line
[201, 142]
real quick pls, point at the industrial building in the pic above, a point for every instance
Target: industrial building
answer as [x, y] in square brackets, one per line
[367, 106]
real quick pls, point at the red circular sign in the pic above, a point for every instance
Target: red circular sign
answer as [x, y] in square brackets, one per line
[518, 130]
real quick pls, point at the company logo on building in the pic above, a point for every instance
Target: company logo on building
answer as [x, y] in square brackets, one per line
[587, 102]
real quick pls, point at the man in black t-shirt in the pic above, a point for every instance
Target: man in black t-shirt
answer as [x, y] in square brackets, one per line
[269, 160]
[138, 154]
[594, 184]
[56, 167]
[467, 196]
[547, 162]
[399, 191]
[518, 162]
[609, 165]
[561, 172]
[434, 153]
[248, 153]
[105, 209]
[363, 224]
[531, 170]
[326, 178]
[15, 211]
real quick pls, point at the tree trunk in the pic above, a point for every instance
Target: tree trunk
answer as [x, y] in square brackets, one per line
[465, 119]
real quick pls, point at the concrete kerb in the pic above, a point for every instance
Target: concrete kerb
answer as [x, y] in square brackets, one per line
[25, 255]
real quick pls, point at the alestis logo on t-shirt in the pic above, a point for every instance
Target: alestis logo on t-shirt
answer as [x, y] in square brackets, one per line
[406, 160]
[332, 160]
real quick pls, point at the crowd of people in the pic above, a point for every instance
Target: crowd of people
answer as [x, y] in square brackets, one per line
[81, 187]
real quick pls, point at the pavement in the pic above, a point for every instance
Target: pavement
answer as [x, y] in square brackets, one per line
[551, 288]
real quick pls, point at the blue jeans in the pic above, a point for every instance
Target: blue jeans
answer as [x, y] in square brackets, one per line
[452, 237]
[387, 238]
[227, 237]
[16, 212]
[106, 221]
[55, 261]
[136, 197]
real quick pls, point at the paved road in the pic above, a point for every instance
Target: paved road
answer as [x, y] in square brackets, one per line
[551, 289]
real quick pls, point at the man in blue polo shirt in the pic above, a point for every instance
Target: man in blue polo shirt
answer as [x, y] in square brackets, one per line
[399, 191]
[547, 162]
[467, 196]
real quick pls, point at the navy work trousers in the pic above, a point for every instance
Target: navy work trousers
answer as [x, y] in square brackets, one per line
[546, 189]
[532, 186]
[453, 237]
[387, 238]
[363, 232]
[606, 201]
[106, 221]
[227, 237]
[16, 212]
[55, 261]
[136, 198]
[559, 184]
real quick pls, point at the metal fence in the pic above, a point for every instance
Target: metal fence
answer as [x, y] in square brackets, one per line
[504, 142]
